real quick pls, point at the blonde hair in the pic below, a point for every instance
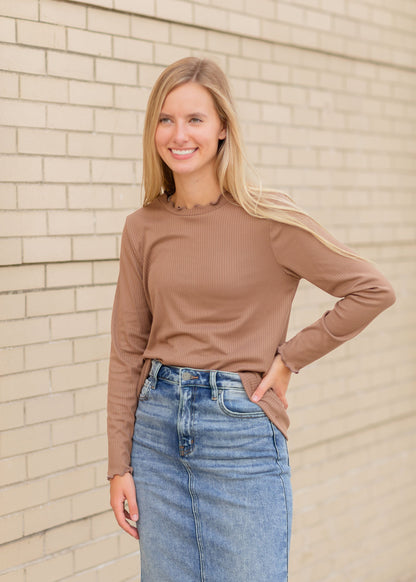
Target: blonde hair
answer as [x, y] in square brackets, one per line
[231, 164]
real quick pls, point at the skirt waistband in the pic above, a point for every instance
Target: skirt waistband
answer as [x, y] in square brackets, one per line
[186, 376]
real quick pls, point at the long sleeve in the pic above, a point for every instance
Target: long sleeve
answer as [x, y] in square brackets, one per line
[363, 290]
[130, 327]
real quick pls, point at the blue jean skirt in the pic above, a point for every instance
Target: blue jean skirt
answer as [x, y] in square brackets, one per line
[212, 480]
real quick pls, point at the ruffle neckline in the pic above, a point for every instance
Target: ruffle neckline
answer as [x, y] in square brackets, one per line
[196, 209]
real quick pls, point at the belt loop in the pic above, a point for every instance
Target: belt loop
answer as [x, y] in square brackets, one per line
[213, 383]
[156, 365]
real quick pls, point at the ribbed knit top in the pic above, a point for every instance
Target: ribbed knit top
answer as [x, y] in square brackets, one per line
[211, 287]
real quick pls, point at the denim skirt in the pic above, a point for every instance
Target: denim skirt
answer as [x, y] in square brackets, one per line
[212, 480]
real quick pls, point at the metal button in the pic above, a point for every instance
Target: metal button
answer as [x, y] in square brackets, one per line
[186, 375]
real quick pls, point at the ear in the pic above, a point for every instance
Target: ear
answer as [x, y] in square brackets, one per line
[223, 133]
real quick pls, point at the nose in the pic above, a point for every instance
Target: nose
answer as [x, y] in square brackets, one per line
[180, 135]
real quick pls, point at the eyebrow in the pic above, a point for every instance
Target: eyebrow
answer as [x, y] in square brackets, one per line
[195, 114]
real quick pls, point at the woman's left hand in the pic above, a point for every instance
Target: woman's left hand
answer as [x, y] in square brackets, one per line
[276, 378]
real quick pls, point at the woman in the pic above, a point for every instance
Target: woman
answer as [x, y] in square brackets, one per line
[200, 365]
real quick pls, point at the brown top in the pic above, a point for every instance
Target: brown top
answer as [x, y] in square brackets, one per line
[211, 287]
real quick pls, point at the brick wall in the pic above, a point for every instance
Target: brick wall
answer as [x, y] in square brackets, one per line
[326, 91]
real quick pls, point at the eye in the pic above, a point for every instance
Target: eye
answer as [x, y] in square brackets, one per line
[165, 120]
[196, 120]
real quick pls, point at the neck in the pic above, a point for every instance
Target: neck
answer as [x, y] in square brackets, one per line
[190, 191]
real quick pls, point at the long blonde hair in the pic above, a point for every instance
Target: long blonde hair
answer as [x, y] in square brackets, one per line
[231, 164]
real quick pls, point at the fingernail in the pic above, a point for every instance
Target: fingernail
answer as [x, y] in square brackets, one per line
[255, 397]
[135, 517]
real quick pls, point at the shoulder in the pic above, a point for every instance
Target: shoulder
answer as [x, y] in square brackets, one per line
[144, 215]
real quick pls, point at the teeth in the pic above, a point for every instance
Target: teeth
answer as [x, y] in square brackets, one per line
[183, 152]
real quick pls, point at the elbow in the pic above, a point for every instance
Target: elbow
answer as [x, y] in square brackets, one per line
[387, 296]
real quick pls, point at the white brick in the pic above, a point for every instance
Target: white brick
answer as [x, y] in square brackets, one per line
[40, 196]
[20, 8]
[23, 277]
[22, 59]
[94, 247]
[91, 196]
[126, 197]
[51, 569]
[112, 121]
[72, 325]
[49, 302]
[90, 503]
[70, 65]
[75, 376]
[131, 98]
[126, 567]
[63, 13]
[30, 548]
[188, 36]
[19, 113]
[50, 249]
[39, 519]
[66, 170]
[105, 272]
[39, 34]
[90, 399]
[69, 274]
[127, 147]
[11, 416]
[148, 74]
[7, 30]
[167, 53]
[41, 141]
[24, 440]
[97, 297]
[43, 88]
[244, 24]
[91, 554]
[146, 6]
[12, 470]
[11, 528]
[89, 145]
[74, 429]
[318, 20]
[15, 223]
[129, 49]
[113, 171]
[149, 29]
[70, 117]
[67, 535]
[8, 196]
[23, 495]
[10, 251]
[87, 93]
[104, 321]
[110, 221]
[118, 23]
[47, 355]
[70, 222]
[50, 460]
[12, 306]
[112, 71]
[9, 84]
[92, 43]
[22, 385]
[50, 407]
[72, 481]
[209, 17]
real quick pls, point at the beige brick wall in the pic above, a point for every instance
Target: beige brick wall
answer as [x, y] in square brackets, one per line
[326, 91]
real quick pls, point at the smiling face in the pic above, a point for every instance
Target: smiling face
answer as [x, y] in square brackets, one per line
[188, 132]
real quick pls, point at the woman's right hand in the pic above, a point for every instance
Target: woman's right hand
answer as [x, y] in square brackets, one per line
[122, 489]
